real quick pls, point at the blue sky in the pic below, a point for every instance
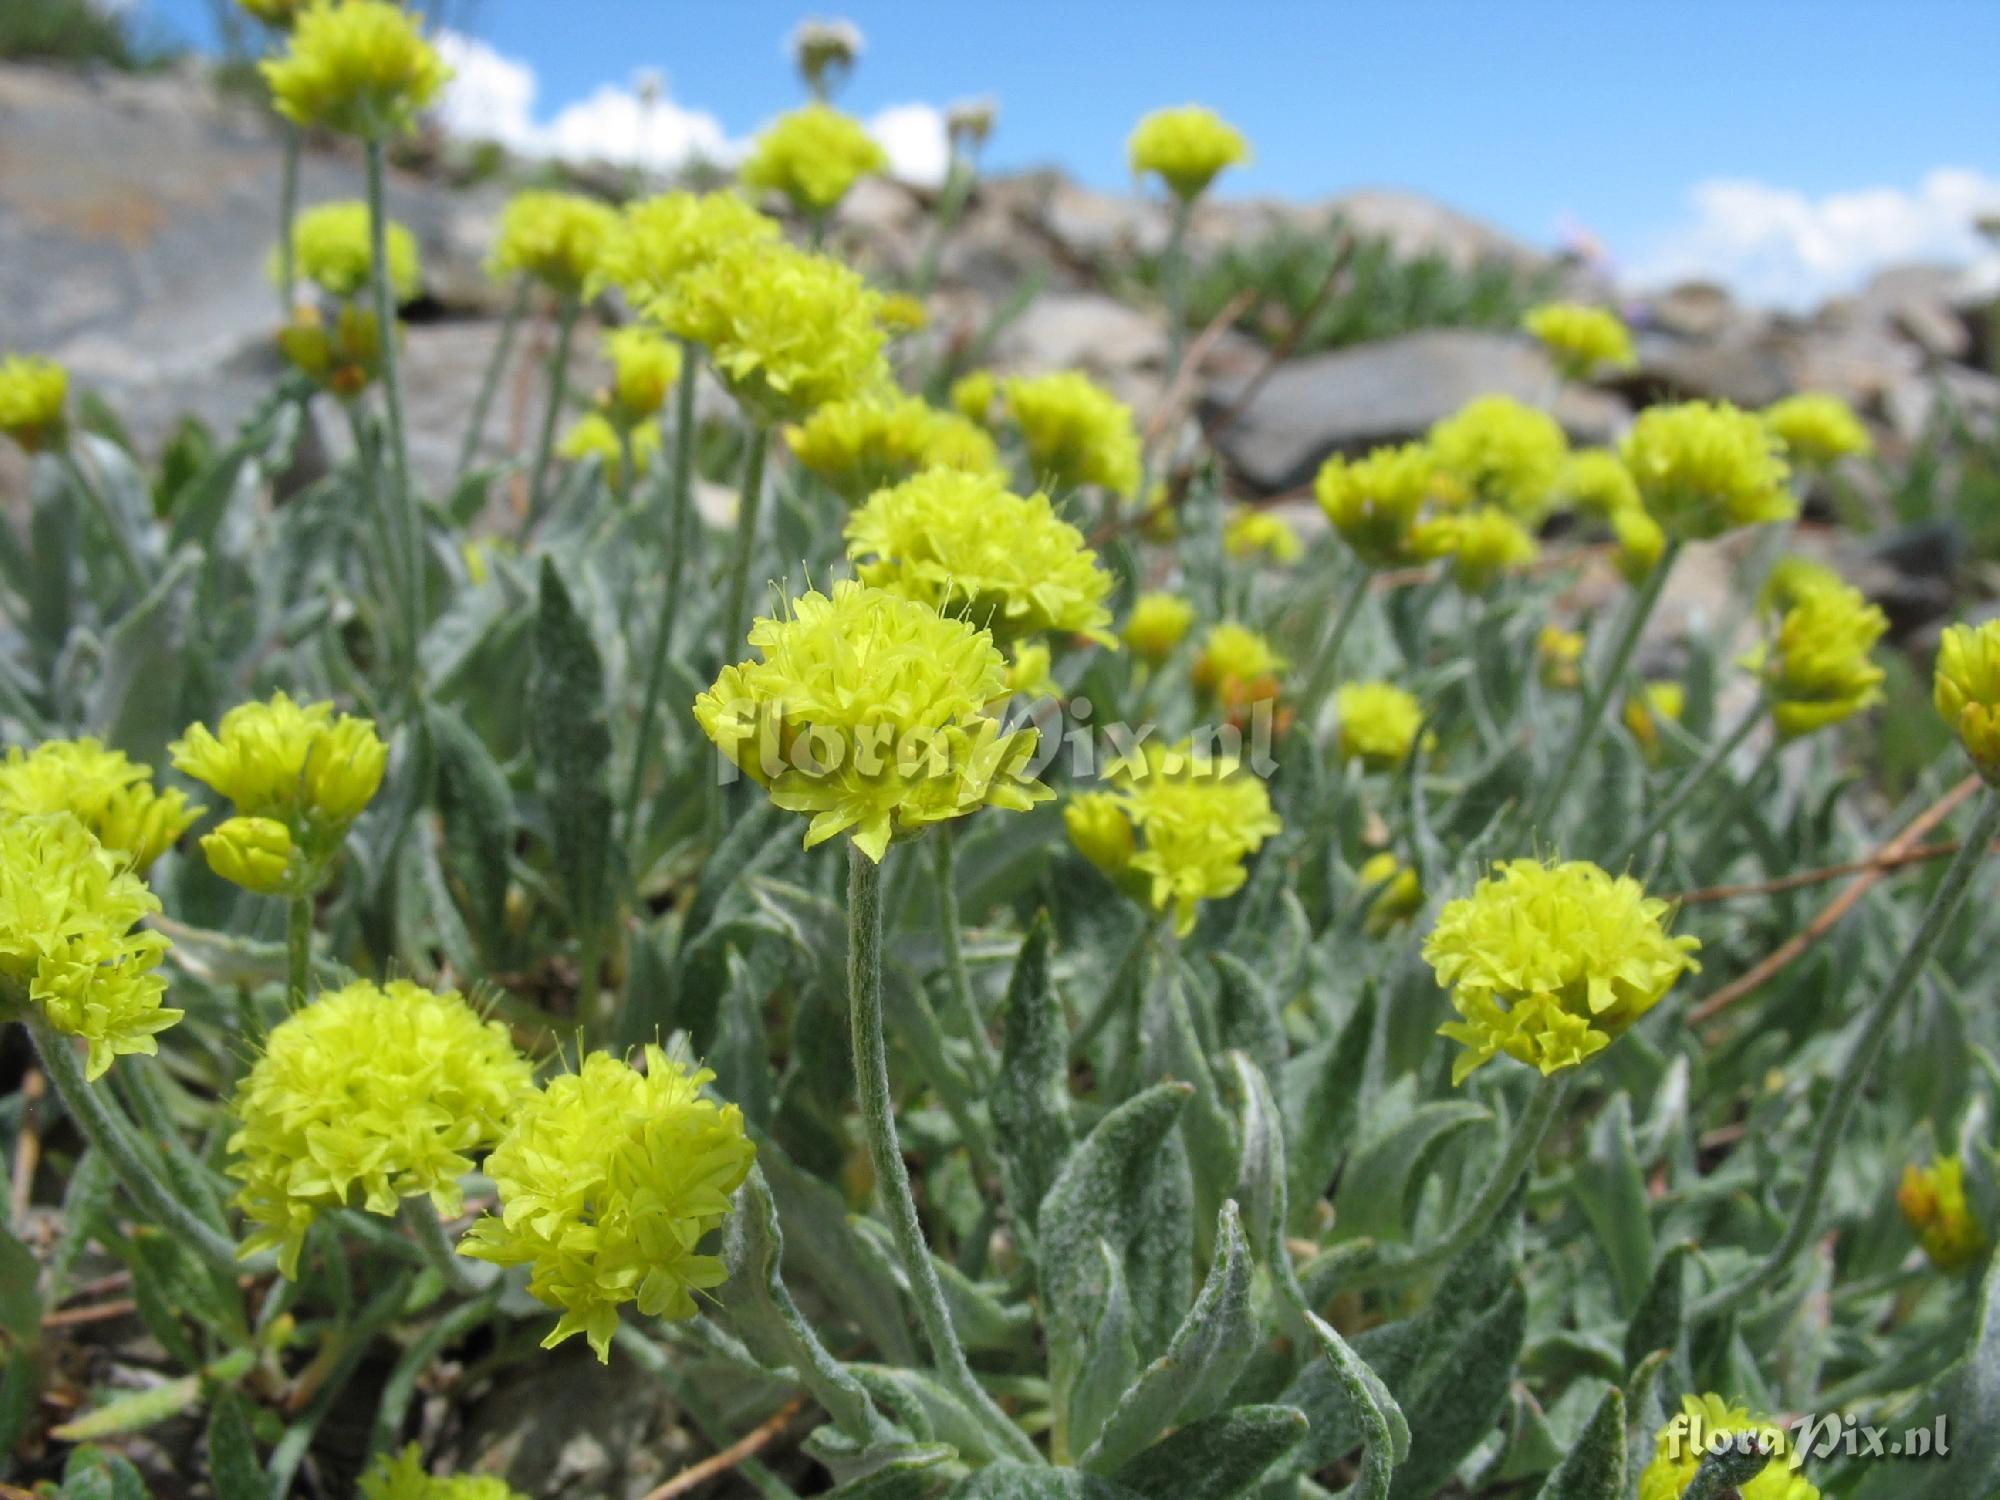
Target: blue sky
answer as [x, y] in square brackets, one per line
[1610, 115]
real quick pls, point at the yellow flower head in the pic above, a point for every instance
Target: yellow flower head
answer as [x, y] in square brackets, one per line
[1076, 432]
[609, 1178]
[1967, 691]
[1641, 543]
[255, 853]
[344, 360]
[1581, 339]
[68, 910]
[359, 67]
[659, 240]
[1482, 543]
[1791, 579]
[965, 546]
[1933, 1202]
[1199, 817]
[1029, 670]
[1645, 711]
[33, 392]
[403, 1478]
[1188, 147]
[1504, 453]
[902, 313]
[1158, 623]
[1255, 532]
[110, 795]
[644, 367]
[1397, 893]
[1235, 653]
[813, 156]
[1374, 502]
[1816, 668]
[973, 395]
[787, 331]
[1704, 468]
[1559, 655]
[295, 763]
[1817, 429]
[371, 1094]
[1101, 829]
[863, 445]
[1379, 723]
[1596, 482]
[331, 249]
[1707, 1422]
[556, 238]
[868, 711]
[1549, 962]
[592, 435]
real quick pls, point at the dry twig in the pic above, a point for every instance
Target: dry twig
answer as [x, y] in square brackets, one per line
[749, 1446]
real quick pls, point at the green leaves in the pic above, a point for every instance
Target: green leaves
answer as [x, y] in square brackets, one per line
[571, 739]
[1595, 1468]
[1031, 1094]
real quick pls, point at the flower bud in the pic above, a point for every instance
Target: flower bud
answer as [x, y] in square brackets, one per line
[1933, 1203]
[1158, 623]
[1101, 831]
[1967, 691]
[255, 853]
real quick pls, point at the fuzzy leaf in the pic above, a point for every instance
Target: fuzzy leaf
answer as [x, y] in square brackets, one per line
[477, 807]
[572, 745]
[1595, 1468]
[1321, 1122]
[1031, 1095]
[233, 1467]
[1611, 1191]
[1012, 1481]
[1379, 1189]
[1217, 1458]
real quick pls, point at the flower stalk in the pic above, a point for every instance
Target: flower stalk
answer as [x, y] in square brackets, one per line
[489, 383]
[545, 442]
[403, 501]
[735, 617]
[1696, 777]
[892, 1176]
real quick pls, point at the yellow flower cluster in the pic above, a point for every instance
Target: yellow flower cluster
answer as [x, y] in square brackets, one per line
[555, 238]
[1158, 623]
[359, 67]
[1581, 339]
[287, 764]
[403, 1478]
[1549, 962]
[868, 711]
[964, 545]
[1076, 432]
[1816, 668]
[593, 435]
[1188, 147]
[1482, 543]
[813, 156]
[1504, 454]
[1379, 723]
[1704, 468]
[1934, 1205]
[331, 249]
[109, 794]
[973, 395]
[1559, 657]
[1791, 579]
[609, 1178]
[1235, 655]
[1397, 894]
[859, 446]
[1647, 709]
[787, 331]
[68, 910]
[1967, 691]
[1708, 1420]
[1030, 670]
[32, 394]
[1596, 482]
[1817, 429]
[644, 367]
[343, 360]
[1255, 532]
[1641, 543]
[1374, 502]
[659, 240]
[371, 1094]
[1177, 829]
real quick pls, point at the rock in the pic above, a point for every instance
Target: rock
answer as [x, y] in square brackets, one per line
[1085, 331]
[1912, 301]
[1415, 225]
[1691, 309]
[1388, 392]
[137, 216]
[1738, 368]
[1913, 405]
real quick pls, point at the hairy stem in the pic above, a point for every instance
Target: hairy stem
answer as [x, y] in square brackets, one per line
[545, 443]
[460, 1274]
[1590, 719]
[403, 500]
[489, 383]
[97, 1118]
[1803, 1221]
[1326, 664]
[288, 210]
[892, 1176]
[1175, 273]
[1688, 785]
[987, 1061]
[298, 948]
[736, 616]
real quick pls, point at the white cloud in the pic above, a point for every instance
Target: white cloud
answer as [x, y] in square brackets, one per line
[918, 144]
[492, 97]
[1779, 247]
